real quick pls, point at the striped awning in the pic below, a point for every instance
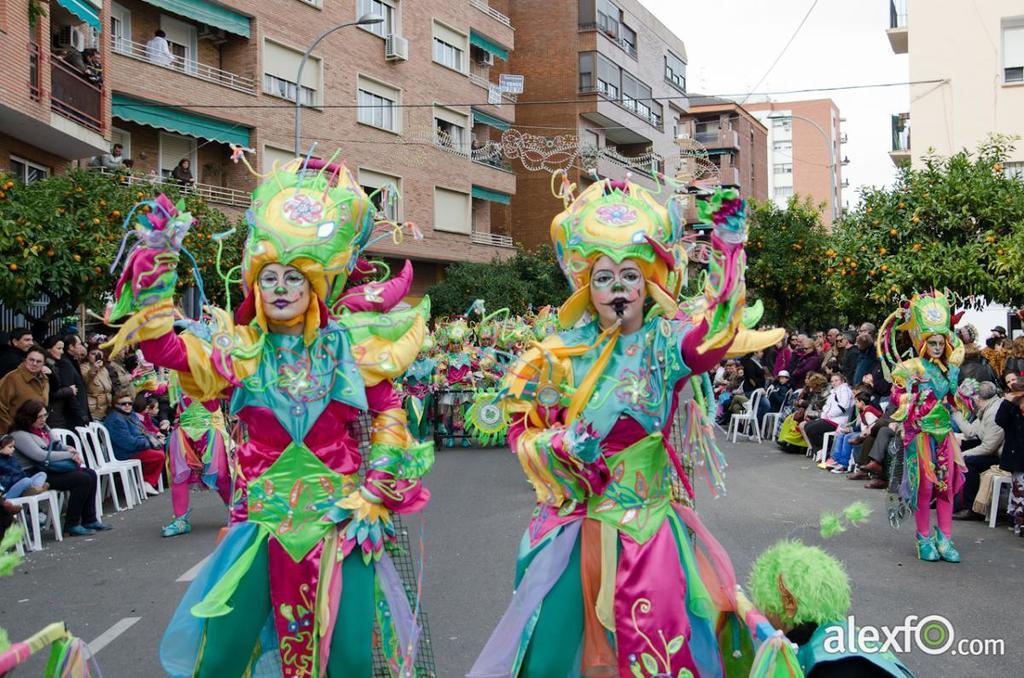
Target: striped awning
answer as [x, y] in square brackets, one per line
[178, 120]
[84, 10]
[488, 45]
[491, 195]
[208, 13]
[490, 120]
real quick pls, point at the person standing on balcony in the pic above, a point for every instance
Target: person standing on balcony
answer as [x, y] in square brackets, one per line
[113, 161]
[182, 173]
[93, 70]
[158, 50]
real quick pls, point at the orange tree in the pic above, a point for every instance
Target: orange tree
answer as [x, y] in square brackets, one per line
[59, 235]
[956, 223]
[785, 251]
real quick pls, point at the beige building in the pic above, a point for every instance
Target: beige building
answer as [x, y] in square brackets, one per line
[975, 52]
[410, 102]
[804, 149]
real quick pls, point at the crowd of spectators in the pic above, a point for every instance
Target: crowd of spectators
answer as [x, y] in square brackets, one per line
[832, 382]
[64, 382]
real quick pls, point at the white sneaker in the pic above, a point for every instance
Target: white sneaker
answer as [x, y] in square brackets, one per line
[150, 490]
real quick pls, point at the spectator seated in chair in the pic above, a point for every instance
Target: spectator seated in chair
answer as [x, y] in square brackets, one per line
[834, 413]
[809, 404]
[981, 445]
[852, 435]
[130, 441]
[14, 482]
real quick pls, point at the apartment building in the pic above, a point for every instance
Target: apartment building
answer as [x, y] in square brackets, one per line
[804, 149]
[411, 102]
[49, 116]
[736, 144]
[969, 61]
[618, 77]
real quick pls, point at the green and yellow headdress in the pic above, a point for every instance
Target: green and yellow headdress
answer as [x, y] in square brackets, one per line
[622, 221]
[923, 316]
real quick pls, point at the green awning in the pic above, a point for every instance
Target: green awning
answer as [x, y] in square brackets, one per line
[84, 10]
[493, 196]
[488, 45]
[490, 120]
[179, 121]
[209, 14]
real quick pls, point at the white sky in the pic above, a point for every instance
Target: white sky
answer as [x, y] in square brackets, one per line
[730, 45]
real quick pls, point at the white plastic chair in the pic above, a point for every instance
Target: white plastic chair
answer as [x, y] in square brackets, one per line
[748, 418]
[826, 445]
[33, 530]
[107, 475]
[71, 440]
[997, 488]
[106, 456]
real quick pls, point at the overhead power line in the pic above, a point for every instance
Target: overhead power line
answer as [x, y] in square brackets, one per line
[784, 48]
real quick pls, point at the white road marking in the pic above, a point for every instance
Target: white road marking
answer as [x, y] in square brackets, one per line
[111, 634]
[193, 571]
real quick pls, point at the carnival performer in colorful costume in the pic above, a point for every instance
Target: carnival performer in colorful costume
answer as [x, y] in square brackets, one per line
[197, 453]
[804, 591]
[301, 584]
[418, 391]
[925, 388]
[608, 581]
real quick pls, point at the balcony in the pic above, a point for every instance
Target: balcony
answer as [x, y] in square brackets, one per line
[481, 77]
[492, 239]
[74, 98]
[636, 108]
[898, 32]
[34, 74]
[195, 69]
[900, 152]
[724, 137]
[491, 12]
[610, 32]
[220, 195]
[729, 176]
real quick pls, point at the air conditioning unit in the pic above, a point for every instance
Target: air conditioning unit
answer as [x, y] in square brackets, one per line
[485, 58]
[70, 36]
[396, 48]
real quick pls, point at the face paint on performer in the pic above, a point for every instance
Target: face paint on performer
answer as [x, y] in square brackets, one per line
[936, 346]
[285, 293]
[618, 292]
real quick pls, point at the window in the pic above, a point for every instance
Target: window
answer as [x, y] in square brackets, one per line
[281, 65]
[174, 149]
[587, 72]
[450, 47]
[783, 192]
[783, 124]
[591, 138]
[27, 171]
[1014, 170]
[630, 91]
[183, 41]
[783, 168]
[627, 39]
[384, 8]
[378, 105]
[450, 129]
[675, 71]
[119, 136]
[452, 211]
[783, 147]
[120, 27]
[272, 155]
[608, 16]
[1013, 51]
[384, 191]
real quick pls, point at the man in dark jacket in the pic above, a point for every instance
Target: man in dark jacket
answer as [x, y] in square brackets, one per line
[1010, 418]
[867, 358]
[850, 355]
[12, 353]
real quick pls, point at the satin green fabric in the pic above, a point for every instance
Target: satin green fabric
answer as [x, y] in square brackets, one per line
[636, 500]
[352, 643]
[559, 625]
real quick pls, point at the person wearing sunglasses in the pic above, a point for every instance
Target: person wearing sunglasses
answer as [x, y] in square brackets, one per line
[130, 440]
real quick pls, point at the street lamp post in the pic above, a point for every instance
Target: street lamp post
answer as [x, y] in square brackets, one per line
[831, 153]
[365, 20]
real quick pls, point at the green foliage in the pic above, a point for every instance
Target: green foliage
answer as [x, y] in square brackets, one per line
[785, 251]
[956, 223]
[525, 279]
[58, 237]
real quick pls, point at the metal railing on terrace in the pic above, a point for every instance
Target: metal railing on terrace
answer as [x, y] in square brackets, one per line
[34, 74]
[479, 77]
[626, 103]
[196, 69]
[74, 98]
[491, 12]
[494, 239]
[897, 13]
[220, 195]
[604, 30]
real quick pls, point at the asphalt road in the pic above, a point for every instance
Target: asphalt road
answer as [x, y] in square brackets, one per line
[120, 587]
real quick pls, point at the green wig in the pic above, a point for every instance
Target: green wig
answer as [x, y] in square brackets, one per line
[816, 580]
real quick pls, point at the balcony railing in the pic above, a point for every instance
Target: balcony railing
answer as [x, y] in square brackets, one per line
[491, 12]
[136, 50]
[34, 74]
[490, 155]
[720, 138]
[220, 195]
[74, 98]
[648, 164]
[901, 133]
[493, 239]
[609, 32]
[478, 76]
[897, 13]
[631, 105]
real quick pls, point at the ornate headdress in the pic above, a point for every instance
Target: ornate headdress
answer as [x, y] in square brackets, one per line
[925, 315]
[620, 220]
[312, 216]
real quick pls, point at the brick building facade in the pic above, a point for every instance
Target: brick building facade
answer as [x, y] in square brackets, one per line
[405, 101]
